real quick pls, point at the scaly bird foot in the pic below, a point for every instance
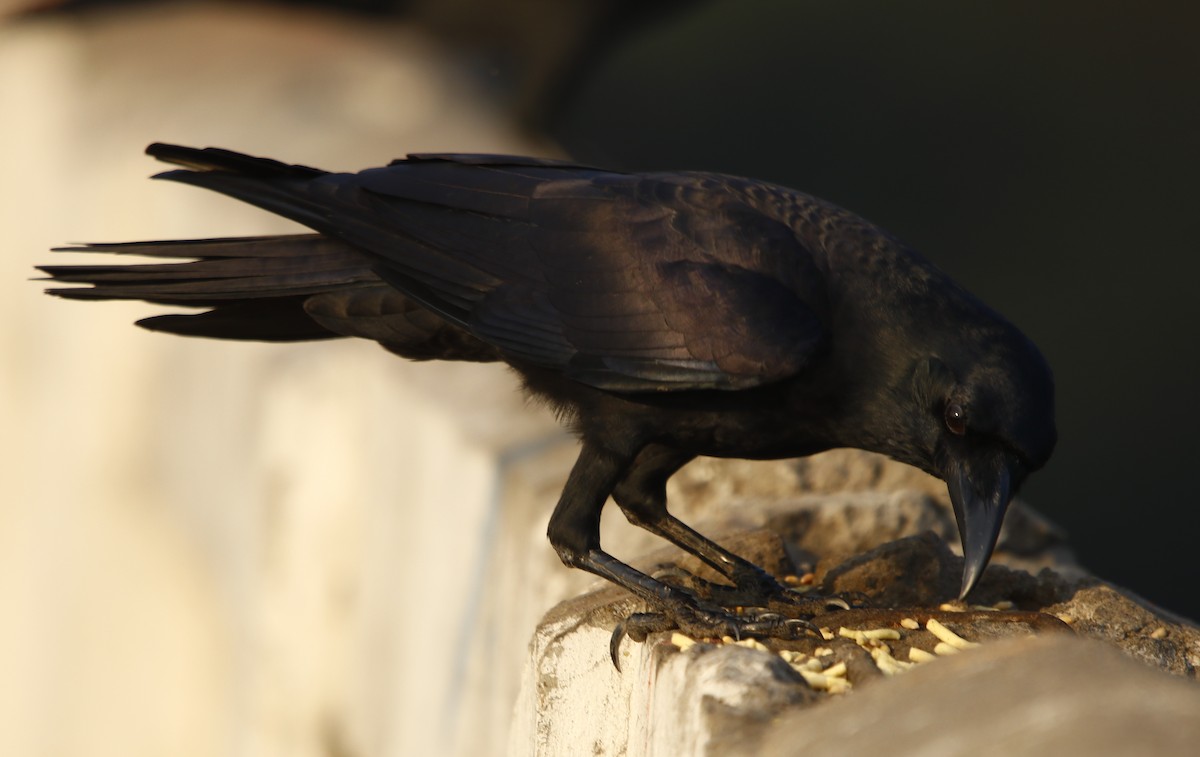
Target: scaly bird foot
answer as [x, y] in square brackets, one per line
[754, 589]
[704, 621]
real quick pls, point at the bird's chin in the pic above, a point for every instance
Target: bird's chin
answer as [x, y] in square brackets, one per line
[980, 495]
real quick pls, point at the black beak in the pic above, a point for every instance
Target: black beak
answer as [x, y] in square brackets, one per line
[980, 491]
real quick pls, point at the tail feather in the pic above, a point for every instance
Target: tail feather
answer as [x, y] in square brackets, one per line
[220, 270]
[277, 320]
[424, 265]
[217, 159]
[255, 287]
[291, 287]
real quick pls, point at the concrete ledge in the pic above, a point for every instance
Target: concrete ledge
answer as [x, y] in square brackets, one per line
[661, 702]
[1125, 682]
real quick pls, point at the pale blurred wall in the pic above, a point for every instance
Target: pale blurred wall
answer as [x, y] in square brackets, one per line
[222, 548]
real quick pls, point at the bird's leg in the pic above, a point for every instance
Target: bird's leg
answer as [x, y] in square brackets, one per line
[575, 535]
[574, 529]
[642, 496]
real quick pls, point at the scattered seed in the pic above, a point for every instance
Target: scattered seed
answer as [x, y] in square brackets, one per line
[1159, 633]
[920, 655]
[751, 644]
[812, 665]
[839, 685]
[948, 636]
[888, 664]
[866, 636]
[822, 682]
[681, 641]
[816, 680]
[910, 623]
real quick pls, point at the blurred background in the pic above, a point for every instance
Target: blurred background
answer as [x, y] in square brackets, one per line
[215, 548]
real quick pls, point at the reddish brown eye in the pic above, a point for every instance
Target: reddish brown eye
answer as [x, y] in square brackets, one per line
[956, 419]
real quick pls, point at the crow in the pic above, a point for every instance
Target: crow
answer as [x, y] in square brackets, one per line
[663, 315]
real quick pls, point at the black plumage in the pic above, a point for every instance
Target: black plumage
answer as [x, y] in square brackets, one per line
[666, 315]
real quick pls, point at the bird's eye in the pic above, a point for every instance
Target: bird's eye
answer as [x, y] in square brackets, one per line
[956, 419]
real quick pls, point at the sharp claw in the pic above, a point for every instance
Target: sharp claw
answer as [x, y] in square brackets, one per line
[614, 644]
[803, 626]
[837, 602]
[765, 627]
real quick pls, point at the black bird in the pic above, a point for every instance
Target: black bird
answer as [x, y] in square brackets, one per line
[664, 315]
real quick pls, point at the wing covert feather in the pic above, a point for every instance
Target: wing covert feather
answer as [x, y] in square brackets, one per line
[623, 282]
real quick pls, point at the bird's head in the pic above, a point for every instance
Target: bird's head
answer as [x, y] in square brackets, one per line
[986, 420]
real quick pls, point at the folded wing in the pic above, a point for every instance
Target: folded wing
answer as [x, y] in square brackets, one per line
[627, 282]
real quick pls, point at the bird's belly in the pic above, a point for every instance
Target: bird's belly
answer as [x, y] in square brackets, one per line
[750, 437]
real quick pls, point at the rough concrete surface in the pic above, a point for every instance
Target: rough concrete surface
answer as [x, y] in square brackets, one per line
[1052, 695]
[1052, 661]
